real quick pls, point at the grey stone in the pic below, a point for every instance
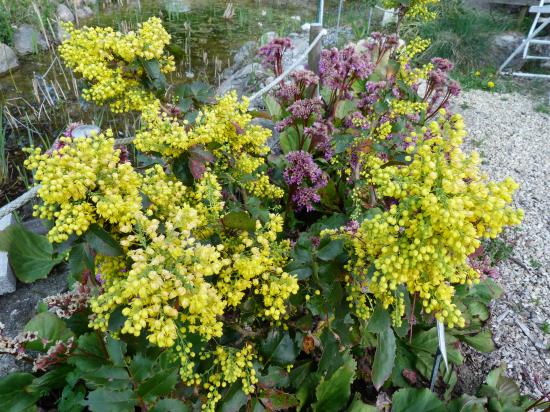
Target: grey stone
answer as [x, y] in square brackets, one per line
[273, 141]
[243, 80]
[19, 307]
[64, 13]
[245, 53]
[84, 12]
[8, 59]
[27, 39]
[7, 279]
[503, 46]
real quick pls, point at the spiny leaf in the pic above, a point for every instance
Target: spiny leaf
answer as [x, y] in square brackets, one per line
[333, 394]
[384, 358]
[107, 400]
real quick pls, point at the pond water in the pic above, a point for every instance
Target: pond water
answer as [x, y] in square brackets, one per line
[203, 39]
[204, 44]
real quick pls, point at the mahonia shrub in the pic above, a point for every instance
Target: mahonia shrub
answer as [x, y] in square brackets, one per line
[222, 275]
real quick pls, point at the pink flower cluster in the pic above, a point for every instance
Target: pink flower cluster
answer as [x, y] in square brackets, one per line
[305, 178]
[272, 54]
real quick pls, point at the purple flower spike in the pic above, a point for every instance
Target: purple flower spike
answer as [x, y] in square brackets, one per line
[272, 54]
[306, 178]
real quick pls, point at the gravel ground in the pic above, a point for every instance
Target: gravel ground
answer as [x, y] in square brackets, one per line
[514, 140]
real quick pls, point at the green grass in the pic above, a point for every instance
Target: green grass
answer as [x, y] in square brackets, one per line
[17, 12]
[4, 173]
[542, 108]
[461, 34]
[498, 250]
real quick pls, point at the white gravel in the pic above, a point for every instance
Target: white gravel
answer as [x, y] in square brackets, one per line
[514, 140]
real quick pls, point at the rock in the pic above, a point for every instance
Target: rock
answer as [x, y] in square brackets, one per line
[245, 53]
[62, 34]
[273, 141]
[85, 130]
[241, 80]
[90, 3]
[8, 59]
[64, 13]
[19, 307]
[27, 39]
[84, 12]
[504, 45]
[7, 279]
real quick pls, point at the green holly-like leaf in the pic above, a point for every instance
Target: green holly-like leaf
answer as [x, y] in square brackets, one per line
[141, 367]
[384, 358]
[276, 377]
[276, 400]
[112, 377]
[16, 394]
[102, 241]
[414, 400]
[500, 387]
[116, 350]
[239, 221]
[380, 320]
[107, 400]
[359, 406]
[234, 399]
[88, 354]
[161, 383]
[72, 398]
[330, 249]
[332, 394]
[31, 256]
[49, 327]
[482, 342]
[279, 348]
[170, 405]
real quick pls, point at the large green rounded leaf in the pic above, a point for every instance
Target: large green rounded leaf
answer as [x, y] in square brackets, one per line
[16, 394]
[415, 400]
[49, 327]
[30, 255]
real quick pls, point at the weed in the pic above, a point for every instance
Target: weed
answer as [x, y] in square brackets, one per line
[545, 328]
[534, 263]
[461, 34]
[498, 250]
[3, 158]
[542, 108]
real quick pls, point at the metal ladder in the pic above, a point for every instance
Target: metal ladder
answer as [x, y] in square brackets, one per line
[541, 21]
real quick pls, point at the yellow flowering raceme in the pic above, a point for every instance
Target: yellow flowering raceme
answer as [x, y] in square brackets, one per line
[84, 182]
[441, 208]
[414, 8]
[107, 60]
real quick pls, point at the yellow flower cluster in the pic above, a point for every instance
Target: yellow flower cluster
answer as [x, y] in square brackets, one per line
[84, 182]
[442, 207]
[232, 365]
[187, 208]
[107, 60]
[414, 8]
[256, 264]
[165, 291]
[411, 74]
